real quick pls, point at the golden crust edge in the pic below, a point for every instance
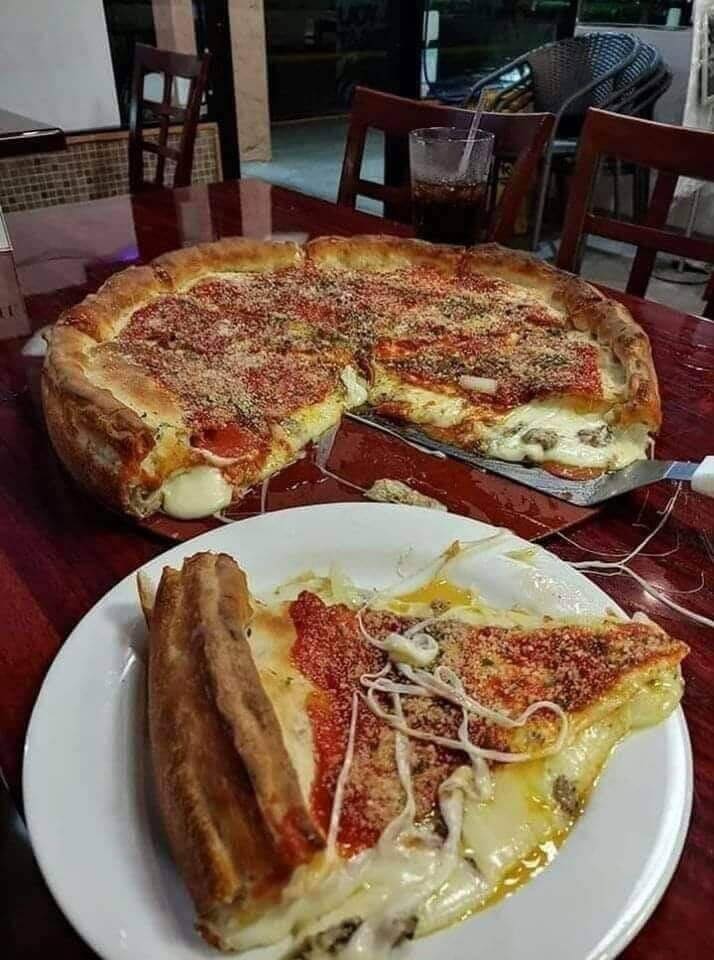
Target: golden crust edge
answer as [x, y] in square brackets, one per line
[248, 712]
[225, 863]
[180, 269]
[100, 441]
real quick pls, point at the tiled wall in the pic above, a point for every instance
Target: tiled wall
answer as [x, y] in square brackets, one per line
[93, 166]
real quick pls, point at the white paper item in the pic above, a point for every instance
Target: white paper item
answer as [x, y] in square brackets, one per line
[697, 114]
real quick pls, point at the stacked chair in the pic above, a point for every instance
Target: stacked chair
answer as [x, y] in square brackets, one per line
[612, 71]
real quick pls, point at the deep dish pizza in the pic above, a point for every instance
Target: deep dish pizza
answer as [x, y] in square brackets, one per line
[181, 384]
[339, 773]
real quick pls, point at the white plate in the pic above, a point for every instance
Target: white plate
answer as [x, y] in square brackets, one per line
[88, 795]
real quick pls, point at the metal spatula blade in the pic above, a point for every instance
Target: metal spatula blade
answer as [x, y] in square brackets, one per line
[588, 493]
[582, 493]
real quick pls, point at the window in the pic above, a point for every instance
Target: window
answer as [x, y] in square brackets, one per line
[656, 13]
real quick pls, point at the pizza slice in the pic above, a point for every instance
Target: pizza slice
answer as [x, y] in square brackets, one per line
[338, 773]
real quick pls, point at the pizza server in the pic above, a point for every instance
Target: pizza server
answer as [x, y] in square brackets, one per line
[582, 493]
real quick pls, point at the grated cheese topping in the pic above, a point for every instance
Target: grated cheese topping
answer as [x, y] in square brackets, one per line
[252, 348]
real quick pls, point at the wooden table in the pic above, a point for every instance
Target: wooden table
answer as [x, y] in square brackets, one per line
[59, 553]
[20, 135]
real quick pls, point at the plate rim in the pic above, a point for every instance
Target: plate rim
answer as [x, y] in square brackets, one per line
[677, 719]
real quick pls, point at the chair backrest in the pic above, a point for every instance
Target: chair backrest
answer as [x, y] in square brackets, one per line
[518, 138]
[641, 98]
[647, 63]
[670, 150]
[563, 68]
[170, 65]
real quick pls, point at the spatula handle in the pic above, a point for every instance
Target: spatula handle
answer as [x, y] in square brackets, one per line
[703, 477]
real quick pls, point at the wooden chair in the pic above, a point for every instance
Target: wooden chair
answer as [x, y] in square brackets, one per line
[519, 139]
[171, 65]
[669, 150]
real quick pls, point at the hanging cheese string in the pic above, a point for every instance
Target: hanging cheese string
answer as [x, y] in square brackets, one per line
[445, 683]
[331, 850]
[637, 522]
[670, 592]
[468, 747]
[483, 781]
[323, 449]
[402, 755]
[449, 686]
[264, 494]
[621, 568]
[439, 454]
[663, 598]
[425, 684]
[617, 554]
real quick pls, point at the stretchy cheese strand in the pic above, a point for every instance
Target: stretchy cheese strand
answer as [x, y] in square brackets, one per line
[342, 781]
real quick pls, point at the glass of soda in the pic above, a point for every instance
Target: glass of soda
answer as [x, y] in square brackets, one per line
[450, 170]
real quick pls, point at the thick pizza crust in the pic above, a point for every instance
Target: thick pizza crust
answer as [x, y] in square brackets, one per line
[100, 440]
[231, 802]
[382, 254]
[182, 268]
[101, 315]
[105, 432]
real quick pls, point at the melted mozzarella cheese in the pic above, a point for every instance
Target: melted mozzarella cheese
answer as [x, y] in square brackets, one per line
[413, 881]
[378, 893]
[424, 406]
[416, 875]
[543, 430]
[197, 492]
[534, 806]
[355, 387]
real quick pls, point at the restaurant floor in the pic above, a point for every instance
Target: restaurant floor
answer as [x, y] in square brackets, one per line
[307, 156]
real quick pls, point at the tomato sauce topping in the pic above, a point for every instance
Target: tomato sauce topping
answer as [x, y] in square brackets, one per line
[330, 651]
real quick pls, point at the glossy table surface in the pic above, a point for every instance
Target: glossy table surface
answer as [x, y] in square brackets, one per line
[59, 553]
[21, 135]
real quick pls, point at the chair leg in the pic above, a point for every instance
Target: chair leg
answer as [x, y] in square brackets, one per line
[561, 186]
[542, 194]
[617, 171]
[641, 193]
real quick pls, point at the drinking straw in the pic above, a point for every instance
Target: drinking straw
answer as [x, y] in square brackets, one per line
[470, 142]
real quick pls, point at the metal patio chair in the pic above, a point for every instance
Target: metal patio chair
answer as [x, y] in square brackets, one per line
[635, 91]
[564, 78]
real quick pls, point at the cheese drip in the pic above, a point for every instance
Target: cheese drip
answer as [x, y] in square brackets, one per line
[197, 492]
[369, 904]
[534, 805]
[545, 430]
[502, 825]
